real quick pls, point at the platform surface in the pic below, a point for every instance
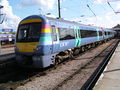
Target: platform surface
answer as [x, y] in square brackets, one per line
[110, 79]
[6, 50]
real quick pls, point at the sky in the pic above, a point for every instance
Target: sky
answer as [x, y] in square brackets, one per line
[74, 10]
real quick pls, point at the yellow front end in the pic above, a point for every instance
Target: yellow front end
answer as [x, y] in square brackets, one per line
[27, 38]
[26, 47]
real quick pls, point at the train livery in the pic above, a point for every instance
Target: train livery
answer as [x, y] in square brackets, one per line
[43, 41]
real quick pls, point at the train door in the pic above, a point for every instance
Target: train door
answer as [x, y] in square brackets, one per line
[55, 39]
[98, 35]
[106, 34]
[103, 33]
[77, 36]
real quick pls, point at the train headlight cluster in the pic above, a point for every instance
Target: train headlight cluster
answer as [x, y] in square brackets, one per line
[38, 48]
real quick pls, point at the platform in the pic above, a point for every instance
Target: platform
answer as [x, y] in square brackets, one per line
[6, 50]
[110, 79]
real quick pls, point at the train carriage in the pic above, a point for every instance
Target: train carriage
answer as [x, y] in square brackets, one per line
[46, 40]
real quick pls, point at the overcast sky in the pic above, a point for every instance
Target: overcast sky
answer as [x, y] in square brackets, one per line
[75, 10]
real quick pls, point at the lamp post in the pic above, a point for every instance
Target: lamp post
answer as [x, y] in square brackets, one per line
[59, 12]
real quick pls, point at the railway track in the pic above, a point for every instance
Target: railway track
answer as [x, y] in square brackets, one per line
[103, 56]
[7, 60]
[20, 76]
[15, 76]
[95, 76]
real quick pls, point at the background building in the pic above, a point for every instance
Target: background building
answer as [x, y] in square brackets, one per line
[117, 29]
[7, 36]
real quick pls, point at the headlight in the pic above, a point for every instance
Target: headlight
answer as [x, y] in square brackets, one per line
[38, 47]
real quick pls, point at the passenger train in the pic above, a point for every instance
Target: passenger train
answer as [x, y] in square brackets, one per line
[43, 41]
[7, 39]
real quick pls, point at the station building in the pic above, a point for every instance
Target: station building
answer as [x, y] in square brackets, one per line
[117, 29]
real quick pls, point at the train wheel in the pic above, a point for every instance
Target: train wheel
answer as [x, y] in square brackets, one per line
[89, 46]
[93, 45]
[83, 49]
[71, 55]
[57, 60]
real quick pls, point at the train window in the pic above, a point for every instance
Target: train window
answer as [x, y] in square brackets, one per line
[109, 33]
[71, 33]
[23, 31]
[66, 33]
[29, 32]
[100, 33]
[34, 30]
[105, 33]
[88, 33]
[54, 36]
[62, 33]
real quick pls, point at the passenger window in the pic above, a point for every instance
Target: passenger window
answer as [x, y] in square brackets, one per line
[66, 33]
[54, 33]
[88, 33]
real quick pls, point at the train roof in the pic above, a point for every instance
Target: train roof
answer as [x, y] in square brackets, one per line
[56, 20]
[51, 19]
[66, 21]
[73, 22]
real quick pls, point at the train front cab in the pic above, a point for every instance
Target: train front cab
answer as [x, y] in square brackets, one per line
[34, 42]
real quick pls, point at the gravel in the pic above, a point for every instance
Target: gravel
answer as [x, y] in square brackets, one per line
[56, 76]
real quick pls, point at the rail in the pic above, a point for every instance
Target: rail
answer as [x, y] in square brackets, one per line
[95, 76]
